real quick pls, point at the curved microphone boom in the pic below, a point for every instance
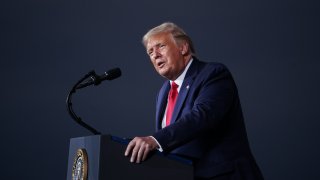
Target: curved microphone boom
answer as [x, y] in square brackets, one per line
[95, 80]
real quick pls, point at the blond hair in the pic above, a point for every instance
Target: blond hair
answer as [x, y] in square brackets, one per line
[168, 27]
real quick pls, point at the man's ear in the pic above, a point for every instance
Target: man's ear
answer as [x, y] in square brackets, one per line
[184, 48]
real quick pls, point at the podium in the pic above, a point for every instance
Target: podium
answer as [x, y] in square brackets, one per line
[101, 157]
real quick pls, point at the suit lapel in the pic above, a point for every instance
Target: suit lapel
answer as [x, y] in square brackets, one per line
[162, 103]
[184, 90]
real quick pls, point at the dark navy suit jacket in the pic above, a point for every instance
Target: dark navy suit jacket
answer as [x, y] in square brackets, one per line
[207, 124]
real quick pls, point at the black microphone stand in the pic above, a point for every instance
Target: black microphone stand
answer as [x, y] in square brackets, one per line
[69, 104]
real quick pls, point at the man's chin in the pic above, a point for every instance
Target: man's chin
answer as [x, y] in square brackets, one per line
[165, 75]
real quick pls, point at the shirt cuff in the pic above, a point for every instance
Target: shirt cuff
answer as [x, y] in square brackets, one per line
[160, 148]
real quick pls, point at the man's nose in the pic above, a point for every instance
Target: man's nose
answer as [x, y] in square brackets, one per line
[156, 54]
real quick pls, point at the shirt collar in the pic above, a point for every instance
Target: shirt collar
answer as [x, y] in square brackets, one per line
[180, 79]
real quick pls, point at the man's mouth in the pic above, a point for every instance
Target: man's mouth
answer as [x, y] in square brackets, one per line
[160, 64]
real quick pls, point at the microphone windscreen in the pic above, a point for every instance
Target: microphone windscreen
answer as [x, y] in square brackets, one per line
[113, 73]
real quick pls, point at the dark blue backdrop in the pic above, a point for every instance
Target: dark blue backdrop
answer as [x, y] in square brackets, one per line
[271, 47]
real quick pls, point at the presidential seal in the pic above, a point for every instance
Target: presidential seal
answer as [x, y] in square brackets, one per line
[80, 165]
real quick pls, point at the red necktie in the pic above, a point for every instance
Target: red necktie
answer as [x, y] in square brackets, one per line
[173, 94]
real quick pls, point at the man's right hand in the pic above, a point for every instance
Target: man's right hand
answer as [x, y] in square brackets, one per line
[140, 147]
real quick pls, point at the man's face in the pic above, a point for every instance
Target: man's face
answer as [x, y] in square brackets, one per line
[166, 56]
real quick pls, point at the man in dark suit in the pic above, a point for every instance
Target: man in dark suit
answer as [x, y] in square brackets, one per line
[198, 113]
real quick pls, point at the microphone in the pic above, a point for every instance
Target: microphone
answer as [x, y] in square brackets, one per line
[96, 80]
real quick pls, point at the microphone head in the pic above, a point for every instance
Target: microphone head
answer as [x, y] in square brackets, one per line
[113, 73]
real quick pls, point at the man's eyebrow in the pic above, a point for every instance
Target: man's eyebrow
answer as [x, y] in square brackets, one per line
[156, 45]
